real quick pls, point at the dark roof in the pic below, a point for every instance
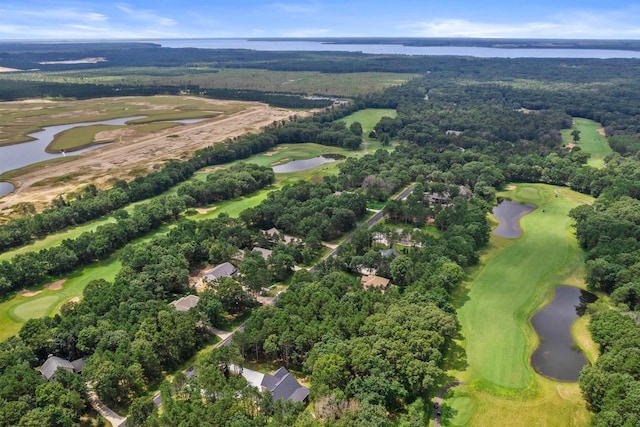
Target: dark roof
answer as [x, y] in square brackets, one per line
[222, 270]
[78, 364]
[51, 365]
[288, 387]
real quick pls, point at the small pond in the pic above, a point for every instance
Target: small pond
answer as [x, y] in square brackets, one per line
[6, 188]
[300, 165]
[508, 214]
[557, 355]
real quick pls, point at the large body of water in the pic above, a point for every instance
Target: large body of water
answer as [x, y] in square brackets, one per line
[557, 355]
[397, 49]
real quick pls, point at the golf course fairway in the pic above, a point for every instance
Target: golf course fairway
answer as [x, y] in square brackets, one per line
[514, 279]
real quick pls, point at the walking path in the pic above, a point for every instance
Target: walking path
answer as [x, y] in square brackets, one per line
[438, 401]
[115, 419]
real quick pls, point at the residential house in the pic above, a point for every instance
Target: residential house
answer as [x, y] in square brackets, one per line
[388, 253]
[374, 282]
[282, 384]
[53, 363]
[266, 253]
[186, 303]
[216, 273]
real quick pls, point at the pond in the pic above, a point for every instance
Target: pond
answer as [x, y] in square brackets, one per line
[558, 356]
[6, 188]
[27, 153]
[508, 214]
[300, 165]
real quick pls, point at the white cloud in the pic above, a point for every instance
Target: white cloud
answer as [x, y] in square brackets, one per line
[146, 16]
[297, 7]
[571, 24]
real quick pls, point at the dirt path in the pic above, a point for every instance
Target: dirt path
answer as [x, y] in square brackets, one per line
[130, 155]
[438, 400]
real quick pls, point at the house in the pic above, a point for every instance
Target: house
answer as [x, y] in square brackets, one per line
[282, 384]
[387, 253]
[451, 132]
[225, 269]
[266, 253]
[186, 303]
[273, 234]
[53, 363]
[374, 282]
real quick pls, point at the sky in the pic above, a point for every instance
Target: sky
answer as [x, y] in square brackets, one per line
[164, 19]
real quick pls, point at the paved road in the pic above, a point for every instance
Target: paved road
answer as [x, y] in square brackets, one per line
[438, 400]
[115, 419]
[371, 221]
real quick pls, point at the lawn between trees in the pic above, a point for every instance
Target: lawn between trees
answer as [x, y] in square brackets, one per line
[514, 280]
[591, 140]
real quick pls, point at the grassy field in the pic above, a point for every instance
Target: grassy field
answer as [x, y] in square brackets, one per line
[514, 279]
[18, 119]
[17, 309]
[369, 118]
[591, 141]
[299, 82]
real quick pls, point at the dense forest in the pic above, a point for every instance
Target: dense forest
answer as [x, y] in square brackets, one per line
[371, 357]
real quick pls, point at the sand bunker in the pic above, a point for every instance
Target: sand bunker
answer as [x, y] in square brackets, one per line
[202, 211]
[601, 131]
[29, 293]
[55, 286]
[511, 187]
[75, 299]
[275, 151]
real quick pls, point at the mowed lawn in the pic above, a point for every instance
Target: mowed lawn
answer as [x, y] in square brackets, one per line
[515, 278]
[16, 310]
[591, 141]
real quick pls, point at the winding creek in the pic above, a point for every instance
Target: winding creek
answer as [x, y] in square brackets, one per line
[558, 356]
[27, 153]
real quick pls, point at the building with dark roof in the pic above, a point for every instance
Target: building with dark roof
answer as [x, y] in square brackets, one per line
[225, 269]
[53, 363]
[282, 384]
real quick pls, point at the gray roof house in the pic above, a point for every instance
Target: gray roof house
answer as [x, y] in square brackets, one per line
[282, 384]
[386, 253]
[225, 269]
[186, 303]
[53, 363]
[266, 253]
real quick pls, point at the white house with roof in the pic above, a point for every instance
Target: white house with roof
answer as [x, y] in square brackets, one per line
[226, 269]
[185, 303]
[53, 363]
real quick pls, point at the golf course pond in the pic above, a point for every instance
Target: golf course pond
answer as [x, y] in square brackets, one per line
[508, 214]
[558, 356]
[6, 188]
[300, 165]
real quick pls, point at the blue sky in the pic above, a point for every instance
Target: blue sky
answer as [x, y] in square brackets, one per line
[105, 19]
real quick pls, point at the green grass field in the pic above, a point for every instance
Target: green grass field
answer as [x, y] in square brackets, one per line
[514, 279]
[591, 141]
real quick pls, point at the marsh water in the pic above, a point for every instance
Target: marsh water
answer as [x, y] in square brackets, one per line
[508, 214]
[26, 153]
[300, 165]
[557, 355]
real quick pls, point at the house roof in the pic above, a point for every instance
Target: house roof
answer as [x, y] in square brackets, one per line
[389, 252]
[266, 253]
[378, 282]
[222, 270]
[51, 365]
[78, 364]
[272, 231]
[281, 384]
[186, 303]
